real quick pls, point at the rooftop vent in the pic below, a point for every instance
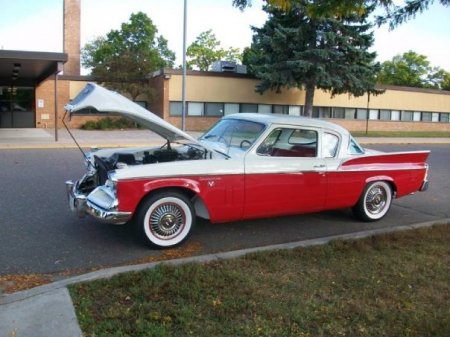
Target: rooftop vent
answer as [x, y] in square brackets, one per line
[228, 67]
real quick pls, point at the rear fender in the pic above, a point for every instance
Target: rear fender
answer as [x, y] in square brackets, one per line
[388, 179]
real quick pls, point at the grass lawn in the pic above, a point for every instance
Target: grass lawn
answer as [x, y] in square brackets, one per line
[390, 285]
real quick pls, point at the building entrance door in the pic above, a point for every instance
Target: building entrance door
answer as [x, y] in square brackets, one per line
[17, 107]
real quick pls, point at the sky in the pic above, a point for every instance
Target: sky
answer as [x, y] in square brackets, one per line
[36, 25]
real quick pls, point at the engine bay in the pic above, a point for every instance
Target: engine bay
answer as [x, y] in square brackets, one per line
[101, 162]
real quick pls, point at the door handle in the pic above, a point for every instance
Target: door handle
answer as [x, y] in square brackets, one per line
[319, 166]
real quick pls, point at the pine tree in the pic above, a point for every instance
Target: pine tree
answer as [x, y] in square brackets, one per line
[331, 53]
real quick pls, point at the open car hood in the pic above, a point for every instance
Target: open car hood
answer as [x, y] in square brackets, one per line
[104, 100]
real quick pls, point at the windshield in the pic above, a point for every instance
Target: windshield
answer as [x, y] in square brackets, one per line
[234, 133]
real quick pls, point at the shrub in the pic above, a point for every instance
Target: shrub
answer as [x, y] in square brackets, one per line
[109, 123]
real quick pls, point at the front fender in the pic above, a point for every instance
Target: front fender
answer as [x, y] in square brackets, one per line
[131, 192]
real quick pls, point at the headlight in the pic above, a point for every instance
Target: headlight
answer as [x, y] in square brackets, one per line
[111, 182]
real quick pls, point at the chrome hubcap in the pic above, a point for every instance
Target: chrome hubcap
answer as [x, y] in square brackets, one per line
[167, 220]
[376, 200]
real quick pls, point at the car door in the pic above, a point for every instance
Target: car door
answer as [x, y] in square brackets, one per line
[285, 173]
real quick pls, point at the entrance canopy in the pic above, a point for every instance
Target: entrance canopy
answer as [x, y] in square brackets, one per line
[25, 68]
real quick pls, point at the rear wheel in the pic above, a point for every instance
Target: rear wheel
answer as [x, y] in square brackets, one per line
[166, 219]
[375, 201]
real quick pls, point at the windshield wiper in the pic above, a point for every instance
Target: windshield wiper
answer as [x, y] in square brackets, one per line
[223, 154]
[209, 136]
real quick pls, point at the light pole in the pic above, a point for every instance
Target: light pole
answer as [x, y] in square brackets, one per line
[368, 113]
[183, 85]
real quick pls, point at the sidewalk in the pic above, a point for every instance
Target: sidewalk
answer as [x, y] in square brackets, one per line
[45, 139]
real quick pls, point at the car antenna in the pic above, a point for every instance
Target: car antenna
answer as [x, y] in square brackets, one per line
[73, 138]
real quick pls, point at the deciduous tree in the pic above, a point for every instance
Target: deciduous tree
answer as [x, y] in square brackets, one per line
[412, 70]
[206, 49]
[124, 58]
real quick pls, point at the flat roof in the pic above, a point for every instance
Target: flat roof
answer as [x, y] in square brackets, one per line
[28, 68]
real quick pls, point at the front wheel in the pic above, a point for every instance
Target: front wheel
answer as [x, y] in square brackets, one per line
[374, 202]
[166, 219]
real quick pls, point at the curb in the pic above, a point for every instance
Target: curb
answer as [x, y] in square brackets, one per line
[110, 272]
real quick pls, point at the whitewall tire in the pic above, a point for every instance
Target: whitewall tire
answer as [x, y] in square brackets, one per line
[374, 202]
[166, 219]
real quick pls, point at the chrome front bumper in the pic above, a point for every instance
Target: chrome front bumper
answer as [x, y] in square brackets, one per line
[81, 205]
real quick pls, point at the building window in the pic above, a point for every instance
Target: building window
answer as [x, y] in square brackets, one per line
[214, 109]
[350, 113]
[338, 113]
[444, 117]
[435, 117]
[373, 114]
[195, 109]
[416, 116]
[395, 115]
[407, 116]
[295, 110]
[426, 116]
[322, 112]
[280, 109]
[264, 108]
[385, 115]
[175, 108]
[361, 114]
[231, 108]
[248, 107]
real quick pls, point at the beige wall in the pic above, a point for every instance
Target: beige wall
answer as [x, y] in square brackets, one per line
[230, 90]
[242, 90]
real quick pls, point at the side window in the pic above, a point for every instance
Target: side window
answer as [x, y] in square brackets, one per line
[267, 145]
[290, 143]
[330, 145]
[354, 148]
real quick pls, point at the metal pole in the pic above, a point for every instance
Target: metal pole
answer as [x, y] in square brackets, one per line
[183, 88]
[368, 112]
[56, 106]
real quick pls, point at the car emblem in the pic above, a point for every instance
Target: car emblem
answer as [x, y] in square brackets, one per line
[211, 183]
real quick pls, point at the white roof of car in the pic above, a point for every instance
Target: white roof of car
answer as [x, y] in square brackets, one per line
[289, 120]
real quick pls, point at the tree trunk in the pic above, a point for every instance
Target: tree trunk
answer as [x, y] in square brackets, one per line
[309, 98]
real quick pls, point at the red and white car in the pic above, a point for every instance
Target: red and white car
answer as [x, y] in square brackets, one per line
[246, 166]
